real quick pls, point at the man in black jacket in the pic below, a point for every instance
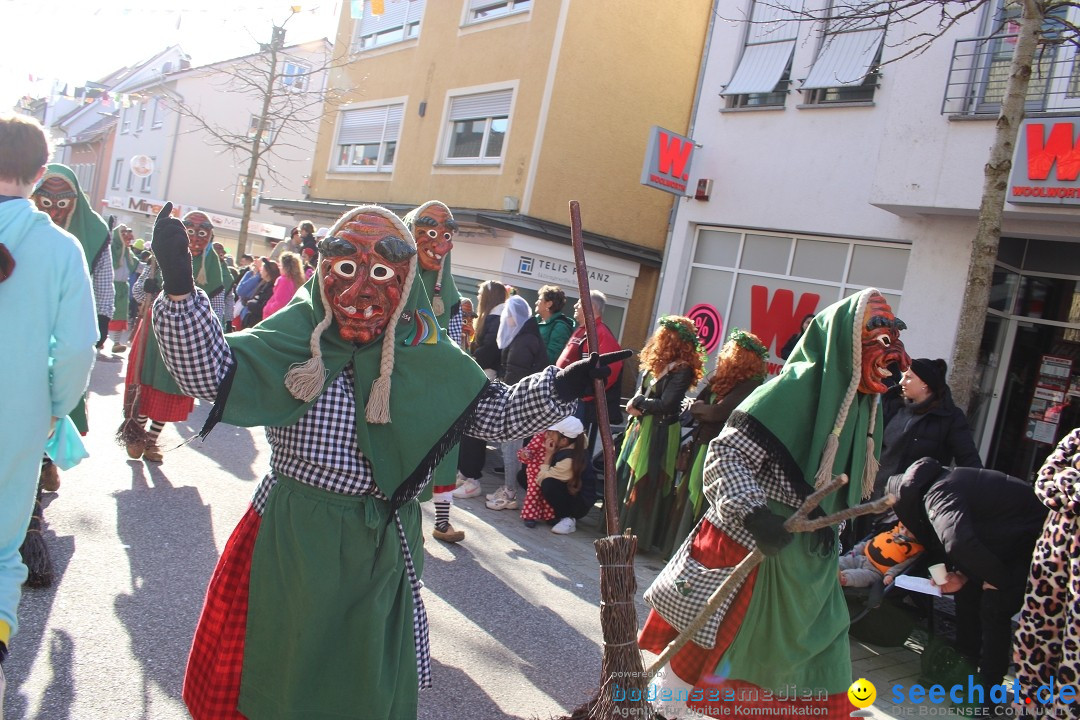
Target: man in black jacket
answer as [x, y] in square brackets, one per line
[983, 525]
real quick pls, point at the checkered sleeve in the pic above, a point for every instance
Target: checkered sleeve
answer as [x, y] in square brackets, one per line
[192, 344]
[518, 411]
[453, 327]
[104, 290]
[217, 304]
[137, 290]
[739, 477]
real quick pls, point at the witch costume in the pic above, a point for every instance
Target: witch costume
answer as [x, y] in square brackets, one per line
[780, 644]
[314, 609]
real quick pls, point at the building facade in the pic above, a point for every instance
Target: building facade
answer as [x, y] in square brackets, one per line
[506, 111]
[174, 144]
[823, 168]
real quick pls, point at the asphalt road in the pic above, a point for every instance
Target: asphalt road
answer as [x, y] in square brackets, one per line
[515, 624]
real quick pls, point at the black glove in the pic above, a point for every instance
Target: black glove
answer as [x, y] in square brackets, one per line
[768, 530]
[170, 245]
[151, 286]
[576, 379]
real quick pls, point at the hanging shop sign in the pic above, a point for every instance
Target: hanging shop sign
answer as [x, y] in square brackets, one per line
[667, 161]
[1046, 166]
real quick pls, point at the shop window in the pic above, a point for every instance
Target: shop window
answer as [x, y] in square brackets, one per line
[118, 171]
[766, 253]
[717, 248]
[763, 74]
[877, 266]
[820, 260]
[477, 128]
[481, 10]
[398, 22]
[367, 138]
[712, 287]
[844, 70]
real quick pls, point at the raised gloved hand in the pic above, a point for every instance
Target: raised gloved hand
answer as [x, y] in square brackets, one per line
[768, 530]
[576, 379]
[170, 245]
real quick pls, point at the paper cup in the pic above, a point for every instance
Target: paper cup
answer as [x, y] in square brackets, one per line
[939, 573]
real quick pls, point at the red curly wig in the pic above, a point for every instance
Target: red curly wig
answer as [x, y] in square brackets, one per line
[670, 346]
[735, 364]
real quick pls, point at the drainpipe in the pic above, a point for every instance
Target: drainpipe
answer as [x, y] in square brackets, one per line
[690, 134]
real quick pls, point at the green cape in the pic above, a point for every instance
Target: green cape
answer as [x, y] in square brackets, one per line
[215, 275]
[86, 225]
[449, 292]
[435, 386]
[796, 623]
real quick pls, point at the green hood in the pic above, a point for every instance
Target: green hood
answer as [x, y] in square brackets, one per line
[812, 398]
[86, 225]
[435, 386]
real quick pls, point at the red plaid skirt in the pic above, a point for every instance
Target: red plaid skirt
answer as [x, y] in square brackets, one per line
[163, 406]
[212, 680]
[697, 665]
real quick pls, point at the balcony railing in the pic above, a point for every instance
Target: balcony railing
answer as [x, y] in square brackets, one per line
[979, 73]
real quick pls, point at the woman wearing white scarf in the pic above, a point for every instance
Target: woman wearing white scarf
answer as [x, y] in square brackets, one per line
[523, 353]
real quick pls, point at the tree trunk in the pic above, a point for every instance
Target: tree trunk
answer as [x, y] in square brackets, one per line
[257, 148]
[996, 179]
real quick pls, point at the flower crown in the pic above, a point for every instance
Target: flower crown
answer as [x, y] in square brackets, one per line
[748, 342]
[688, 336]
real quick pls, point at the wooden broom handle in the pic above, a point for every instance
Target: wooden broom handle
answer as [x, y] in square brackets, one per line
[599, 391]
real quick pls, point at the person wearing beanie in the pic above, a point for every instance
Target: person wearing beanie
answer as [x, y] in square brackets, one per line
[921, 420]
[783, 635]
[331, 546]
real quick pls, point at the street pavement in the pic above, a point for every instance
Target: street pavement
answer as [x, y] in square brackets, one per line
[514, 612]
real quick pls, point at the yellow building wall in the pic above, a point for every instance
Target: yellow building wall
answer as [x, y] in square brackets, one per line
[623, 66]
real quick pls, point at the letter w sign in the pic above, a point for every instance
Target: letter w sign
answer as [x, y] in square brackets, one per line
[667, 161]
[1046, 163]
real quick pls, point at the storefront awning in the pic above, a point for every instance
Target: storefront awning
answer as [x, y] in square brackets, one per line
[845, 59]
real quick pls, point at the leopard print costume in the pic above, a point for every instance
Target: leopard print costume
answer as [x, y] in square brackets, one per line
[1047, 643]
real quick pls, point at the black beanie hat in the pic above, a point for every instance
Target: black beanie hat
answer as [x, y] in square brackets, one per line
[931, 372]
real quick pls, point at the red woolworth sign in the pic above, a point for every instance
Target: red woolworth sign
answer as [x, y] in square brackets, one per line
[1046, 166]
[667, 161]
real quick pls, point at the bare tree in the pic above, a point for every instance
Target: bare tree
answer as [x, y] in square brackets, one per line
[289, 86]
[1040, 22]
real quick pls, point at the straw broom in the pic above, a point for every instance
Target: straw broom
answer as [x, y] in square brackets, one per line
[34, 551]
[622, 661]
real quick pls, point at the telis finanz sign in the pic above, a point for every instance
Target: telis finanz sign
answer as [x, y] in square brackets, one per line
[667, 161]
[1046, 167]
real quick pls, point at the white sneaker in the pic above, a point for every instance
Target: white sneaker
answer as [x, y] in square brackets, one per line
[503, 500]
[459, 479]
[468, 489]
[565, 526]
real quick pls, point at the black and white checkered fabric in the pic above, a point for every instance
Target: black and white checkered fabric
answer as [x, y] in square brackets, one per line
[740, 475]
[320, 448]
[104, 290]
[454, 326]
